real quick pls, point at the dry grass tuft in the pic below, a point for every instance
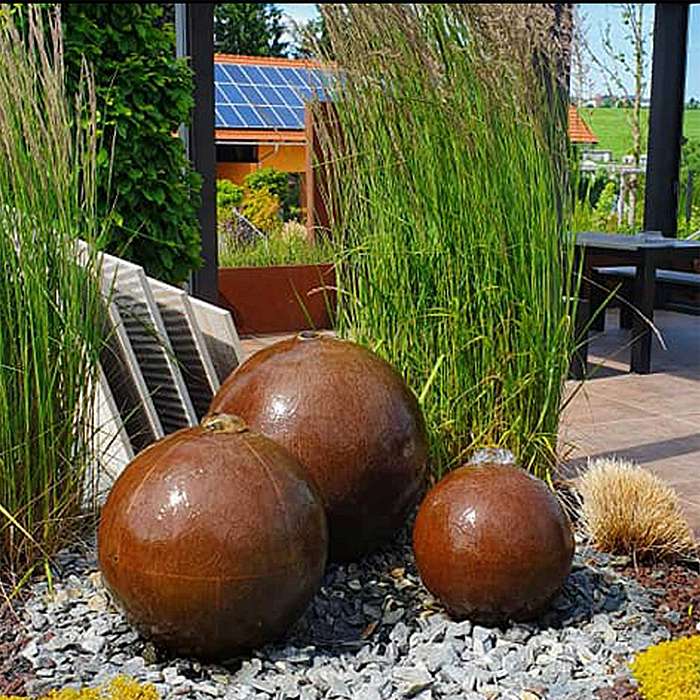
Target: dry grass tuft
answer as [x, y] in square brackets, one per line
[628, 510]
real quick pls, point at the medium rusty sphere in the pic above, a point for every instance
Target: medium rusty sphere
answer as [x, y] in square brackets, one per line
[492, 543]
[350, 419]
[213, 540]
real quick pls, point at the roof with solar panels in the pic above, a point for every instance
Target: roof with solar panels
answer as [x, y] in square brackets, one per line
[262, 98]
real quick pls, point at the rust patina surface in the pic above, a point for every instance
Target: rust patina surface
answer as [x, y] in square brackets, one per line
[492, 543]
[350, 419]
[213, 540]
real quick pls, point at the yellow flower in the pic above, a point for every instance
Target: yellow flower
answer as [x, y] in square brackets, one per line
[670, 670]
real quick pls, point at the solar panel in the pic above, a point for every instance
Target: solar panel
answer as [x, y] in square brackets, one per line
[230, 116]
[251, 118]
[288, 117]
[270, 95]
[291, 98]
[269, 115]
[232, 95]
[250, 92]
[272, 75]
[266, 97]
[236, 75]
[255, 76]
[292, 77]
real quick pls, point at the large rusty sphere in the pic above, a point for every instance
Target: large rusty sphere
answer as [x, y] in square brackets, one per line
[213, 540]
[350, 419]
[492, 543]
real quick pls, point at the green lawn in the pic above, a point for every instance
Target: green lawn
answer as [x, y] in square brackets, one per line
[611, 126]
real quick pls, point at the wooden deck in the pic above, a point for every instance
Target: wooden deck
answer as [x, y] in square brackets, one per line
[653, 419]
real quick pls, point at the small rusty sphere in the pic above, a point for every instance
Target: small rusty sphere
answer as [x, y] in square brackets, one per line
[213, 540]
[350, 419]
[492, 543]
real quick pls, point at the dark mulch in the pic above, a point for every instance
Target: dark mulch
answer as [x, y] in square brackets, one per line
[622, 690]
[13, 668]
[681, 594]
[680, 583]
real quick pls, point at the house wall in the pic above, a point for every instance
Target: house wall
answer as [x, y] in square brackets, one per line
[288, 158]
[234, 171]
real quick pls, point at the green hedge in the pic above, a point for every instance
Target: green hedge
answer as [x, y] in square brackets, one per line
[146, 184]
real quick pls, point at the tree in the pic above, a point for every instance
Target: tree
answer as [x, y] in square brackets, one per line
[311, 39]
[581, 82]
[146, 185]
[620, 65]
[250, 29]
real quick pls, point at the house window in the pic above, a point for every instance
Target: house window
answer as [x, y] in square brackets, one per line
[236, 153]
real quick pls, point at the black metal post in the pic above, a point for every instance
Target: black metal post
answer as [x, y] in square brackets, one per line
[666, 117]
[194, 23]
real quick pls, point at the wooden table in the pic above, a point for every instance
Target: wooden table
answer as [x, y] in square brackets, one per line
[646, 252]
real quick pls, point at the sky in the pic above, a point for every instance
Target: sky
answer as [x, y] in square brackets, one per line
[597, 16]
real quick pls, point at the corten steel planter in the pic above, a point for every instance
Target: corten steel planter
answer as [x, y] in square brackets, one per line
[213, 540]
[492, 543]
[279, 298]
[350, 419]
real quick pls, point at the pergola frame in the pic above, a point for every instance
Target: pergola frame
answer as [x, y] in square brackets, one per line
[194, 27]
[195, 32]
[666, 117]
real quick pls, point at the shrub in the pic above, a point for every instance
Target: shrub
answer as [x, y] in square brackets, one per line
[448, 186]
[228, 198]
[262, 208]
[689, 227]
[146, 185]
[669, 670]
[629, 510]
[50, 304]
[120, 688]
[271, 179]
[603, 210]
[590, 185]
[284, 186]
[228, 194]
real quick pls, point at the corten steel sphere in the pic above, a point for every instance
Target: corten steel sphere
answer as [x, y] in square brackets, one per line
[213, 540]
[350, 419]
[492, 543]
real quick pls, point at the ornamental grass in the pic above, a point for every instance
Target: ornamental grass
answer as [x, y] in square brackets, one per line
[445, 154]
[628, 510]
[50, 306]
[288, 247]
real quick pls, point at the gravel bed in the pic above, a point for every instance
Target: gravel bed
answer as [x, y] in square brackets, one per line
[372, 633]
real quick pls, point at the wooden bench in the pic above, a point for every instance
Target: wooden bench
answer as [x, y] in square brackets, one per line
[670, 285]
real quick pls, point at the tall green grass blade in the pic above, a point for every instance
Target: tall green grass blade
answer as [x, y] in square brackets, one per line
[447, 167]
[50, 306]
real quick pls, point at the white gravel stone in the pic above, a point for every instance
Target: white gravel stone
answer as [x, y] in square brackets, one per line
[372, 633]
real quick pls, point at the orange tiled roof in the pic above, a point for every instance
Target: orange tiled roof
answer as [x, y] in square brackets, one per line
[266, 61]
[579, 131]
[261, 135]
